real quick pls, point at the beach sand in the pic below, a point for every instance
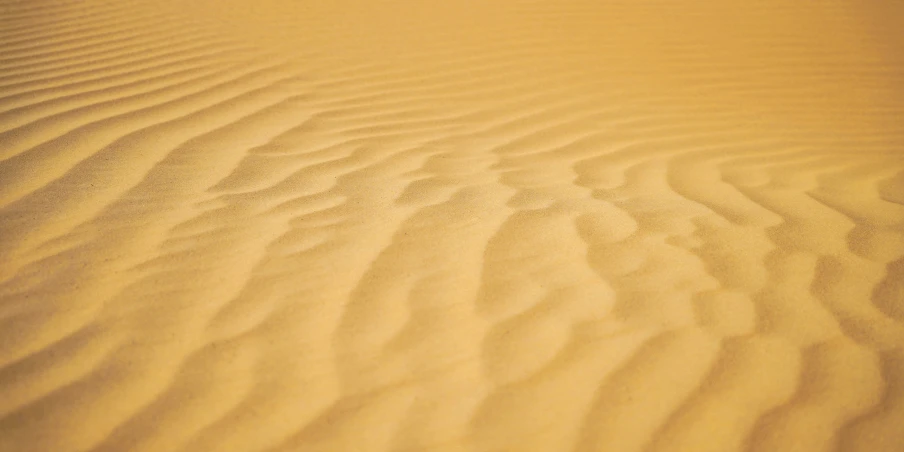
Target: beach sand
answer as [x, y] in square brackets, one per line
[399, 225]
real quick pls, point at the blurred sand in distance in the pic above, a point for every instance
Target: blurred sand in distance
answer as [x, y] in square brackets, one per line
[311, 225]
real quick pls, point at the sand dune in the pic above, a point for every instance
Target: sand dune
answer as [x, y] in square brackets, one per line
[280, 225]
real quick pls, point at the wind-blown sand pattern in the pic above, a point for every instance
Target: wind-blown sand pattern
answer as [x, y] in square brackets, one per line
[275, 225]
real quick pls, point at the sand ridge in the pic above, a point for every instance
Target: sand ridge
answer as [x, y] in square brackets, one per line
[406, 226]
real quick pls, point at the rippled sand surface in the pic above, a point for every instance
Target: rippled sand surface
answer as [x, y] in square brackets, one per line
[399, 225]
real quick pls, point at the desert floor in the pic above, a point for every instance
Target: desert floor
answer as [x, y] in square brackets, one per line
[435, 225]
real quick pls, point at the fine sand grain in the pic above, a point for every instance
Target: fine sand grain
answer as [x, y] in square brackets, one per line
[403, 225]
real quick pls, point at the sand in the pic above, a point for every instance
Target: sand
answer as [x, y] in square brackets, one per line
[507, 225]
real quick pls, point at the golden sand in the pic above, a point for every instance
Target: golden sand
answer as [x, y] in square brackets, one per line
[506, 225]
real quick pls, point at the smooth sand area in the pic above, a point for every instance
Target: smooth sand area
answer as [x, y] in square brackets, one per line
[456, 226]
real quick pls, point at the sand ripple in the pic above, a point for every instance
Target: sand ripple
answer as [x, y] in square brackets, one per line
[405, 226]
